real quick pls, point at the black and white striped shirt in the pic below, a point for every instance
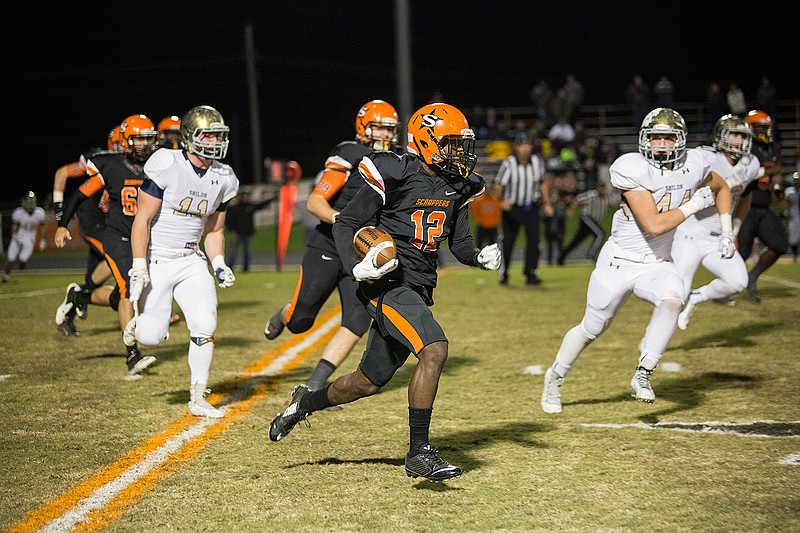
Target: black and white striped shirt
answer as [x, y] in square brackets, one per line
[521, 182]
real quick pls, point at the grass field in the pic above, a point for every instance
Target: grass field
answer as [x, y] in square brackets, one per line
[83, 449]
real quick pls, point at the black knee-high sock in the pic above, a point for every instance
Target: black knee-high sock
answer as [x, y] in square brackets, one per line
[320, 375]
[419, 422]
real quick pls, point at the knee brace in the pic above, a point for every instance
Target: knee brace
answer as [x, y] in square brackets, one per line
[199, 341]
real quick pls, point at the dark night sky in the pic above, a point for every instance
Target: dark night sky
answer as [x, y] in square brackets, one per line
[79, 70]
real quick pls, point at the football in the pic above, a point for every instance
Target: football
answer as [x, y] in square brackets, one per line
[372, 237]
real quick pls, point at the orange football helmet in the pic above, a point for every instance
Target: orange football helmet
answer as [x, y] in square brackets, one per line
[376, 113]
[139, 137]
[440, 135]
[115, 141]
[761, 124]
[169, 132]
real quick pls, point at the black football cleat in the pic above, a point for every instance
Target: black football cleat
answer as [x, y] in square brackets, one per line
[137, 362]
[285, 422]
[429, 465]
[67, 327]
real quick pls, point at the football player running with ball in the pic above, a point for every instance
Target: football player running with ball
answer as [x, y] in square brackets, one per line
[420, 199]
[661, 186]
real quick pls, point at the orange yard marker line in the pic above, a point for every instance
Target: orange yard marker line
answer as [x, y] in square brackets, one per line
[104, 497]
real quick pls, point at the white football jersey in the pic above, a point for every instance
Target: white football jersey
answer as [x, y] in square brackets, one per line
[28, 222]
[707, 220]
[188, 200]
[670, 190]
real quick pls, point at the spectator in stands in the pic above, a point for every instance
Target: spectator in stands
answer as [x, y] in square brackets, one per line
[487, 211]
[575, 95]
[767, 99]
[736, 101]
[640, 99]
[561, 135]
[716, 106]
[541, 95]
[560, 107]
[664, 92]
[562, 186]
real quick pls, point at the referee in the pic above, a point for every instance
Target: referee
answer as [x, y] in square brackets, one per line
[524, 189]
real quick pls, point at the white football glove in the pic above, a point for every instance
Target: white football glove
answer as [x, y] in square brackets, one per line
[727, 245]
[736, 180]
[366, 269]
[138, 279]
[222, 272]
[701, 199]
[490, 256]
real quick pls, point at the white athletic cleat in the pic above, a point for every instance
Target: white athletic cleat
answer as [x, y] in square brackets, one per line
[640, 386]
[198, 406]
[67, 305]
[686, 313]
[129, 333]
[551, 393]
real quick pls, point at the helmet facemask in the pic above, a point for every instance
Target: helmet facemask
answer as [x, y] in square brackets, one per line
[139, 138]
[141, 147]
[456, 155]
[376, 143]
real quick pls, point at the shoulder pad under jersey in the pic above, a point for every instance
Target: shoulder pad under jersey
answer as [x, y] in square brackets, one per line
[627, 169]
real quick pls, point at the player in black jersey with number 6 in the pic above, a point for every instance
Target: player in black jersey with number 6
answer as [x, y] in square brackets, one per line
[421, 199]
[121, 175]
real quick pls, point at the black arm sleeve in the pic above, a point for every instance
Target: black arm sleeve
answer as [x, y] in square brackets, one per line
[460, 240]
[356, 214]
[71, 206]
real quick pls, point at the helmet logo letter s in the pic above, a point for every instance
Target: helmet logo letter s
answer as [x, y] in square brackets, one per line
[429, 120]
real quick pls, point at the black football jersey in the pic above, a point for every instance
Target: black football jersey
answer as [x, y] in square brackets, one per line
[418, 210]
[92, 212]
[122, 180]
[345, 157]
[766, 153]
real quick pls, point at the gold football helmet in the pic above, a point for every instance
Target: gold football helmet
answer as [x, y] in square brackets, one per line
[737, 145]
[376, 113]
[29, 201]
[662, 121]
[204, 133]
[440, 135]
